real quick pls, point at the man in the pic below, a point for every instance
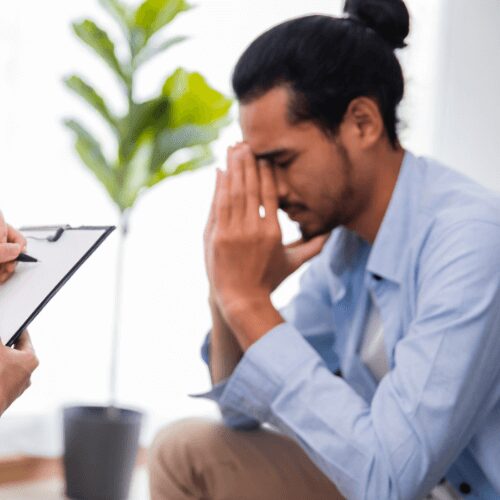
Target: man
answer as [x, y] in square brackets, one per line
[382, 376]
[17, 364]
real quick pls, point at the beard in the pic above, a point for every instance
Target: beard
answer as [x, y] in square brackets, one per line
[341, 205]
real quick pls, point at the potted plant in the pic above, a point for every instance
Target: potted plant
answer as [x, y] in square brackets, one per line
[155, 139]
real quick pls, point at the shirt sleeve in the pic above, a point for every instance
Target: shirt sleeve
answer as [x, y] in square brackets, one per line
[310, 313]
[233, 418]
[424, 412]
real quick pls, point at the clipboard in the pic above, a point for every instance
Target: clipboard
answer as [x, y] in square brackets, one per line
[61, 251]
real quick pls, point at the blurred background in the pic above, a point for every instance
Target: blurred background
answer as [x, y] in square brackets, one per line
[450, 112]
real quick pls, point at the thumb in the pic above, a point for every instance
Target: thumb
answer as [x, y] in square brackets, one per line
[9, 252]
[300, 251]
[23, 343]
[211, 214]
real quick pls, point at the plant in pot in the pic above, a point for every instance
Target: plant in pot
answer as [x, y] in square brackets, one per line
[154, 139]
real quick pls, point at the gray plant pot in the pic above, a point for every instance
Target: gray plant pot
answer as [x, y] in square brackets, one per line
[100, 451]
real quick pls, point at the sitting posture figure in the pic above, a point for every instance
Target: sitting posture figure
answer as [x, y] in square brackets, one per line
[381, 379]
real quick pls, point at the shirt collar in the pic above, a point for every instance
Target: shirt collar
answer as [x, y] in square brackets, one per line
[387, 254]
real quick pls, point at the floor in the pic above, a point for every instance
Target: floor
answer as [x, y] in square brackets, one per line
[53, 489]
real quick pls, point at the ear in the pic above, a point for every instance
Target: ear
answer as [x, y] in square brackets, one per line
[362, 125]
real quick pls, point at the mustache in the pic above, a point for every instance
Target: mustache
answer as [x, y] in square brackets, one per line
[288, 205]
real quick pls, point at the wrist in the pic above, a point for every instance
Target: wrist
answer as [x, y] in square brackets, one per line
[236, 305]
[250, 318]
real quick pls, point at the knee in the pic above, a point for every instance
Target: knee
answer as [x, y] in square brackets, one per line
[184, 442]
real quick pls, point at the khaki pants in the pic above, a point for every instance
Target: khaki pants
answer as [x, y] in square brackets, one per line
[204, 460]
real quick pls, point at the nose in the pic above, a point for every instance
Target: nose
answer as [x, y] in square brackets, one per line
[281, 184]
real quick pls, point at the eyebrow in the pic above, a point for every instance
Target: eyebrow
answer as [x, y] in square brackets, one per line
[272, 155]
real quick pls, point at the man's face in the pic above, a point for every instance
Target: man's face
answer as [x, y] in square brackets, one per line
[316, 181]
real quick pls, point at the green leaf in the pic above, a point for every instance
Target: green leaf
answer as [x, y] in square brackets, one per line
[84, 90]
[91, 154]
[136, 175]
[99, 41]
[200, 157]
[193, 101]
[142, 118]
[150, 52]
[137, 41]
[121, 13]
[169, 141]
[152, 15]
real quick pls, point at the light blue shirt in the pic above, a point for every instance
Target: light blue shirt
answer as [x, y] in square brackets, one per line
[434, 270]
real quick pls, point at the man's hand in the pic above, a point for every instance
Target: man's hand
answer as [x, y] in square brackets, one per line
[12, 243]
[16, 367]
[245, 257]
[244, 254]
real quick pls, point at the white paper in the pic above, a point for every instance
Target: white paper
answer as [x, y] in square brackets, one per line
[31, 283]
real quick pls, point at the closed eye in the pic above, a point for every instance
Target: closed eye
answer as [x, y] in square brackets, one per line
[284, 163]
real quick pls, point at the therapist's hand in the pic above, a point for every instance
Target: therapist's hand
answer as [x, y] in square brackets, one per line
[16, 367]
[12, 243]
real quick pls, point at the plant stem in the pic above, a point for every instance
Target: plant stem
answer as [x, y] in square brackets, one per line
[115, 345]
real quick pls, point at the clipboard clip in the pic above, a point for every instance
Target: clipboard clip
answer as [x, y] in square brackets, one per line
[57, 232]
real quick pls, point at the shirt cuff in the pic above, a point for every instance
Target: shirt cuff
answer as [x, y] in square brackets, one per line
[264, 369]
[214, 393]
[205, 348]
[232, 418]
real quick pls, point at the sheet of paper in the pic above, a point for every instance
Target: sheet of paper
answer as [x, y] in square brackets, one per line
[31, 283]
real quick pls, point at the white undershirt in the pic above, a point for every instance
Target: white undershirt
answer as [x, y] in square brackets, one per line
[373, 355]
[373, 349]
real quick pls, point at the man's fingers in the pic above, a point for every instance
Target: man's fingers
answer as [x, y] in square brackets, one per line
[294, 244]
[251, 183]
[268, 193]
[222, 209]
[9, 252]
[302, 252]
[211, 214]
[3, 229]
[236, 176]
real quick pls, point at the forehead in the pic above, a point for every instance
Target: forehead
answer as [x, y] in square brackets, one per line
[264, 122]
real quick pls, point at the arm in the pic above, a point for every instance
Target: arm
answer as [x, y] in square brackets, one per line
[309, 312]
[222, 353]
[225, 352]
[425, 411]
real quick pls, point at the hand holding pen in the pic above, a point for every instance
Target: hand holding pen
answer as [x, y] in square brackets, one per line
[12, 243]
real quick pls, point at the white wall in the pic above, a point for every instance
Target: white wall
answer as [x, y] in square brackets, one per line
[468, 97]
[165, 310]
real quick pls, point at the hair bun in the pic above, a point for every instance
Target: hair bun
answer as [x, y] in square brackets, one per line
[389, 18]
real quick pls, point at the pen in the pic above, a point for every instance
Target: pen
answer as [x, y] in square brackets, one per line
[22, 257]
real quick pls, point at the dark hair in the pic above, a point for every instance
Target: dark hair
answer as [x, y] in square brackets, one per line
[327, 62]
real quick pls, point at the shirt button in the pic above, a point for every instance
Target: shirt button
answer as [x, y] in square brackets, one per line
[465, 488]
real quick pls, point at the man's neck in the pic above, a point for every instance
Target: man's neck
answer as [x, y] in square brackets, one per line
[370, 218]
